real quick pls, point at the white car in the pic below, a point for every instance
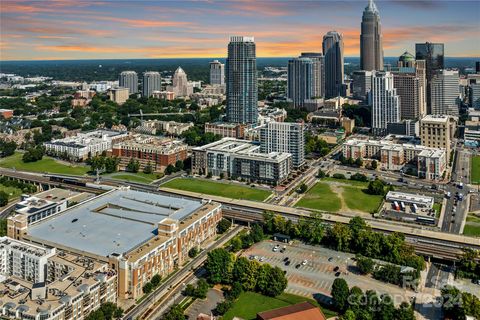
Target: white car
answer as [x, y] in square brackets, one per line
[262, 259]
[304, 262]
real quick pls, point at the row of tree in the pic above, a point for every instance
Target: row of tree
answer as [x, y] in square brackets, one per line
[354, 304]
[469, 265]
[152, 284]
[388, 273]
[103, 163]
[355, 237]
[107, 311]
[223, 268]
[25, 187]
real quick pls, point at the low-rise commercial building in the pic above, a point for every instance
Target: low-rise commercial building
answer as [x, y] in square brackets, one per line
[167, 127]
[226, 130]
[410, 199]
[149, 150]
[6, 113]
[136, 234]
[241, 159]
[84, 145]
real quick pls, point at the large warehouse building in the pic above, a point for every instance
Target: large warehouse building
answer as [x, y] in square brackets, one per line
[138, 234]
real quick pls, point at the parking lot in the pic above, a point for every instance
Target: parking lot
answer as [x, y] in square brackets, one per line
[315, 278]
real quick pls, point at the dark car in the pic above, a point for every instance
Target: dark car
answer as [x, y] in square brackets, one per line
[337, 274]
[287, 263]
[297, 266]
[336, 268]
[330, 259]
[286, 259]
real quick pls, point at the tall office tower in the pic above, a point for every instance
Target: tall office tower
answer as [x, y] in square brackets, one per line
[433, 54]
[385, 102]
[152, 81]
[371, 47]
[241, 73]
[409, 80]
[300, 81]
[129, 79]
[445, 92]
[284, 137]
[333, 52]
[362, 84]
[217, 73]
[474, 95]
[180, 85]
[477, 66]
[318, 72]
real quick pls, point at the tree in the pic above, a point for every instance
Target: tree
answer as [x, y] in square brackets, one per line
[386, 307]
[271, 281]
[234, 291]
[256, 233]
[223, 225]
[339, 176]
[312, 229]
[3, 227]
[111, 164]
[219, 266]
[148, 169]
[365, 265]
[147, 288]
[175, 313]
[223, 307]
[202, 289]
[7, 148]
[245, 272]
[33, 154]
[374, 164]
[359, 177]
[209, 175]
[340, 294]
[303, 188]
[179, 165]
[133, 166]
[3, 198]
[376, 187]
[321, 174]
[340, 236]
[192, 253]
[235, 244]
[405, 312]
[359, 162]
[156, 280]
[169, 169]
[348, 315]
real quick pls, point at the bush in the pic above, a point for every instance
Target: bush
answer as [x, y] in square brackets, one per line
[223, 307]
[359, 177]
[192, 253]
[223, 225]
[339, 176]
[365, 265]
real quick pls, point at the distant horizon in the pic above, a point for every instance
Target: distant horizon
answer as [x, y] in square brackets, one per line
[88, 30]
[205, 58]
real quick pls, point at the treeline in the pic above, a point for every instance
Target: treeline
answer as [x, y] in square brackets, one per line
[25, 187]
[107, 311]
[469, 265]
[389, 273]
[355, 304]
[355, 237]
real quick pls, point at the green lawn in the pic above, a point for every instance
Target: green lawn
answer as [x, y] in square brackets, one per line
[229, 190]
[438, 208]
[472, 225]
[47, 164]
[250, 303]
[347, 182]
[139, 177]
[320, 197]
[475, 170]
[11, 191]
[356, 199]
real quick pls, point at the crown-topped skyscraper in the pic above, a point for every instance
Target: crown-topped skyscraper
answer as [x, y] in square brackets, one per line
[371, 47]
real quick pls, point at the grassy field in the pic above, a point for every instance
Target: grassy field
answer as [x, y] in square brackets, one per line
[438, 208]
[229, 190]
[47, 164]
[472, 225]
[320, 197]
[475, 170]
[356, 199]
[139, 177]
[11, 191]
[249, 304]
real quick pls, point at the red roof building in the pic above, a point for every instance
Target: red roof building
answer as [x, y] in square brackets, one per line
[299, 311]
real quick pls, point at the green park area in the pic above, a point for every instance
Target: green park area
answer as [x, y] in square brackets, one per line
[320, 197]
[472, 225]
[250, 303]
[475, 170]
[229, 190]
[138, 177]
[12, 192]
[335, 195]
[47, 164]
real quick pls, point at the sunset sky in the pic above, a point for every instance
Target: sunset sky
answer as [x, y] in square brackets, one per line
[76, 29]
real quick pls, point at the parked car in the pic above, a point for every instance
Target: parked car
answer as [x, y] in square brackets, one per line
[336, 268]
[286, 259]
[330, 259]
[298, 266]
[287, 263]
[337, 274]
[304, 262]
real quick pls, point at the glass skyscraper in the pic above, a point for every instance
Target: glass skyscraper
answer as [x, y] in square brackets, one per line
[241, 74]
[433, 54]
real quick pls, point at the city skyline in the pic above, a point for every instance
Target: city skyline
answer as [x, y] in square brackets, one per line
[65, 29]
